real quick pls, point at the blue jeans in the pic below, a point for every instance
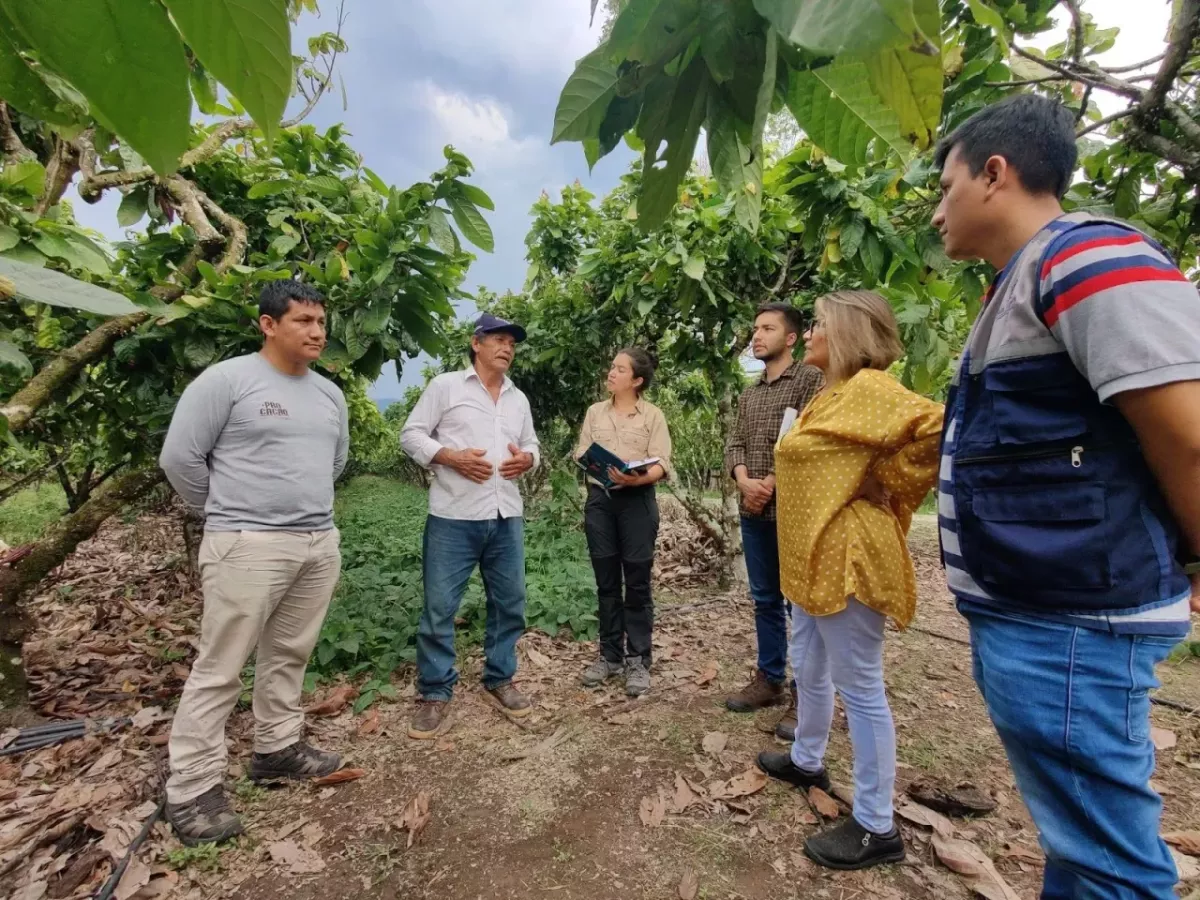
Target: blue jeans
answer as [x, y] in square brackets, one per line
[845, 651]
[452, 549]
[761, 547]
[1072, 707]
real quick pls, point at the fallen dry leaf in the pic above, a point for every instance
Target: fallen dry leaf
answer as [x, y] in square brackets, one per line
[689, 885]
[335, 702]
[923, 815]
[147, 716]
[369, 723]
[974, 866]
[341, 776]
[158, 887]
[135, 878]
[1186, 841]
[749, 782]
[1163, 738]
[714, 742]
[1188, 868]
[653, 810]
[311, 834]
[539, 659]
[1022, 853]
[290, 828]
[823, 803]
[839, 791]
[964, 799]
[780, 866]
[708, 675]
[299, 860]
[685, 796]
[415, 817]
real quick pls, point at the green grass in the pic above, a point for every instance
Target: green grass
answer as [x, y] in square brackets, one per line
[372, 622]
[25, 515]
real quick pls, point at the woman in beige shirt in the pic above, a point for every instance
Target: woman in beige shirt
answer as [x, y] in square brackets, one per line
[622, 523]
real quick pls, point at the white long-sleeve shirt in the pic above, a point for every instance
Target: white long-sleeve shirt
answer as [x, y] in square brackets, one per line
[456, 412]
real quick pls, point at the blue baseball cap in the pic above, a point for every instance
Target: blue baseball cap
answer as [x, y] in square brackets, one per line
[489, 324]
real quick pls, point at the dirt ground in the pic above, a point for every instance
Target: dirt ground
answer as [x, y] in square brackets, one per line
[594, 796]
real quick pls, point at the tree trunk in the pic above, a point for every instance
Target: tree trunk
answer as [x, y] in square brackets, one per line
[61, 538]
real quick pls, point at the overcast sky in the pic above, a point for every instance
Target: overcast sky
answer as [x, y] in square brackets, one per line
[484, 75]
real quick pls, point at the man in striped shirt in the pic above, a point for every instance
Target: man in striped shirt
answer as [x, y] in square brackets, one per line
[1069, 498]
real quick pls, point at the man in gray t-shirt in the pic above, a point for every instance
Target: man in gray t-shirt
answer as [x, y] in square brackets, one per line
[256, 443]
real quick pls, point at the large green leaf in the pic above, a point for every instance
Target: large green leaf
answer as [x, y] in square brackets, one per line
[475, 195]
[125, 58]
[267, 189]
[440, 231]
[585, 98]
[21, 86]
[840, 113]
[669, 126]
[910, 83]
[833, 27]
[738, 167]
[247, 45]
[718, 36]
[472, 224]
[11, 355]
[9, 237]
[56, 289]
[133, 206]
[77, 252]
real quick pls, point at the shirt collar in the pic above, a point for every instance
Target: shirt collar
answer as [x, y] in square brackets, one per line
[789, 372]
[469, 373]
[639, 407]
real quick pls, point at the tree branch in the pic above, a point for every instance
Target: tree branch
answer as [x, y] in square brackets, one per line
[61, 169]
[1107, 120]
[1077, 30]
[41, 387]
[187, 197]
[235, 229]
[14, 150]
[1184, 28]
[1086, 74]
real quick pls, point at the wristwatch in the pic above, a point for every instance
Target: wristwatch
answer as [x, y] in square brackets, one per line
[1192, 566]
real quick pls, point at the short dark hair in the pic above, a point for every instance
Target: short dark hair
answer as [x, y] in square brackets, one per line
[793, 318]
[277, 296]
[1034, 134]
[643, 366]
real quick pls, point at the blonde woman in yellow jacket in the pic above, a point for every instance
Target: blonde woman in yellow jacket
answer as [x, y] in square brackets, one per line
[850, 473]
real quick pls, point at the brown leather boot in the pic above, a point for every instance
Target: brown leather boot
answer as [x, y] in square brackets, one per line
[758, 694]
[428, 719]
[785, 728]
[511, 699]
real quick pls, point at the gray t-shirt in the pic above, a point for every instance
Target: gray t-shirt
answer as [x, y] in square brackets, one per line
[258, 450]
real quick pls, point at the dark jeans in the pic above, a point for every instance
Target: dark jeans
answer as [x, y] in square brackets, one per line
[621, 531]
[452, 549]
[771, 609]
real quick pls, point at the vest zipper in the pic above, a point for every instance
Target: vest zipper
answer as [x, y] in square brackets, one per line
[1076, 454]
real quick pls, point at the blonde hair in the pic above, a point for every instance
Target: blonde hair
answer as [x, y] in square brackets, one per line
[860, 331]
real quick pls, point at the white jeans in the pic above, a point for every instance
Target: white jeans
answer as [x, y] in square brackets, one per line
[264, 589]
[845, 650]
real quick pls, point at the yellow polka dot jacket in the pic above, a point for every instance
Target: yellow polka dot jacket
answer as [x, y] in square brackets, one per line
[831, 546]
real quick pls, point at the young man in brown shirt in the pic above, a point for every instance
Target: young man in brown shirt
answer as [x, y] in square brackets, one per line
[786, 385]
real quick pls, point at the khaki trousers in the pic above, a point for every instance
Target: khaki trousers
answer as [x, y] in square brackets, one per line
[264, 589]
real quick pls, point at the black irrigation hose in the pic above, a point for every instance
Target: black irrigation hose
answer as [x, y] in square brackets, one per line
[40, 736]
[114, 879]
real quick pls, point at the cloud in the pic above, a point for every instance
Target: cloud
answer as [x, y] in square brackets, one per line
[478, 126]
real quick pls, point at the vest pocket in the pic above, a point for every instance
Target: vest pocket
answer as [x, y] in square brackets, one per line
[1035, 400]
[1035, 537]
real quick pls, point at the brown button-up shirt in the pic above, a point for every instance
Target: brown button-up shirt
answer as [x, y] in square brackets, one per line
[760, 415]
[642, 435]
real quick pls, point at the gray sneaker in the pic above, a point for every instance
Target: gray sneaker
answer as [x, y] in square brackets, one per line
[637, 676]
[207, 819]
[600, 671]
[299, 761]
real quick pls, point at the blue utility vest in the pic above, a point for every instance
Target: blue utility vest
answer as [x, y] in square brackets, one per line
[1056, 508]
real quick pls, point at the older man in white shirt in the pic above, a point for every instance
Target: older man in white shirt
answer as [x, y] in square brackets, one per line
[474, 430]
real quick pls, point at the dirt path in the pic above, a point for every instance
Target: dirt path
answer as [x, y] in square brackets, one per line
[566, 821]
[556, 807]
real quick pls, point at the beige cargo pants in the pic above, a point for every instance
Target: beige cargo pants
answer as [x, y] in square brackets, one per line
[264, 589]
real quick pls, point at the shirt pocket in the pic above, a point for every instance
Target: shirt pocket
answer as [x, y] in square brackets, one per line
[635, 440]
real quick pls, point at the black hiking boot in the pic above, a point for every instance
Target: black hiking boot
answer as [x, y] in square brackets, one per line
[780, 765]
[207, 819]
[850, 846]
[297, 762]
